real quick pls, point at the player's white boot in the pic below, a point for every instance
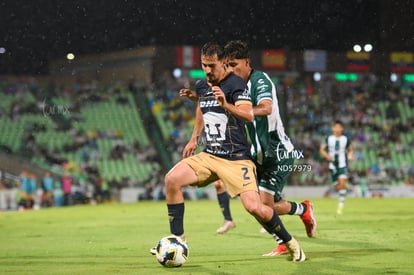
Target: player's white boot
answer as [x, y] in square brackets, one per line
[295, 250]
[227, 225]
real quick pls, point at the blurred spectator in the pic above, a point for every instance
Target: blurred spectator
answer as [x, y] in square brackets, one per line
[79, 194]
[148, 194]
[117, 152]
[8, 194]
[47, 186]
[101, 190]
[58, 196]
[67, 189]
[28, 185]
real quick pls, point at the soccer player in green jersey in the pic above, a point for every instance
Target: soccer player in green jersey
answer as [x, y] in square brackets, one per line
[272, 150]
[337, 150]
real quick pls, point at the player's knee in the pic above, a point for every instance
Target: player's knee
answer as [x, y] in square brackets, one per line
[253, 209]
[341, 185]
[171, 182]
[219, 187]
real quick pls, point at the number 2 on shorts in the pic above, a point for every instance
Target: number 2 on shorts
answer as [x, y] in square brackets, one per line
[245, 171]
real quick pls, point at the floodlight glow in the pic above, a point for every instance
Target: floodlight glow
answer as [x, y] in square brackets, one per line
[2, 50]
[177, 72]
[357, 48]
[70, 56]
[317, 76]
[393, 77]
[367, 48]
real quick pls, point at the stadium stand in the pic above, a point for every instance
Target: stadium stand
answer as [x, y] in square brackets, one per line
[380, 126]
[103, 132]
[126, 137]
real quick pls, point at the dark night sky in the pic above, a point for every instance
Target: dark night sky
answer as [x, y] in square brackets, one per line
[33, 32]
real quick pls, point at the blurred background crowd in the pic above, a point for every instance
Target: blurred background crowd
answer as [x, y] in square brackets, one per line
[89, 101]
[92, 139]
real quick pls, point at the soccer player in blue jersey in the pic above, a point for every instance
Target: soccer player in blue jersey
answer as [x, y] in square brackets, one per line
[337, 150]
[223, 197]
[269, 143]
[224, 106]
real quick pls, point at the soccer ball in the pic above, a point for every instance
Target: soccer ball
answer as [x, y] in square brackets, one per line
[172, 251]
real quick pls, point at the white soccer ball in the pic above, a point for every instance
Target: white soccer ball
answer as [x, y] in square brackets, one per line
[172, 251]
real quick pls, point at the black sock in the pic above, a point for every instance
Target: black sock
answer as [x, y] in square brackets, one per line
[224, 202]
[293, 207]
[275, 226]
[176, 218]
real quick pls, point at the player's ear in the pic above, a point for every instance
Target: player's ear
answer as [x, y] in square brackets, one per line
[226, 62]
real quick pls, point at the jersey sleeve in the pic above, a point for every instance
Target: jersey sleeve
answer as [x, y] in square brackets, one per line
[240, 94]
[262, 88]
[243, 98]
[201, 86]
[348, 142]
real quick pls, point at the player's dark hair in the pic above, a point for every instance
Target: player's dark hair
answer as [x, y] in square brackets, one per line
[212, 48]
[339, 122]
[237, 49]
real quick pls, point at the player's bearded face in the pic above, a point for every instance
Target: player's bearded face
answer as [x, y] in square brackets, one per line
[213, 68]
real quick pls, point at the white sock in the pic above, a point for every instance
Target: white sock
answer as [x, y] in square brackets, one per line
[341, 199]
[300, 209]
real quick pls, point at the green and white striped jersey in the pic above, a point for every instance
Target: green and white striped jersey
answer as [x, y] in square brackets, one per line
[337, 149]
[261, 87]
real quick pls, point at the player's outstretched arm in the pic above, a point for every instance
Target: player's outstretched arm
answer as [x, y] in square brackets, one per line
[189, 94]
[191, 146]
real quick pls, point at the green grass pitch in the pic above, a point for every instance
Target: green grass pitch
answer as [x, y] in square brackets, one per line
[373, 236]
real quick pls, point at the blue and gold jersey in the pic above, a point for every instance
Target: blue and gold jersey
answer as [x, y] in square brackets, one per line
[225, 134]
